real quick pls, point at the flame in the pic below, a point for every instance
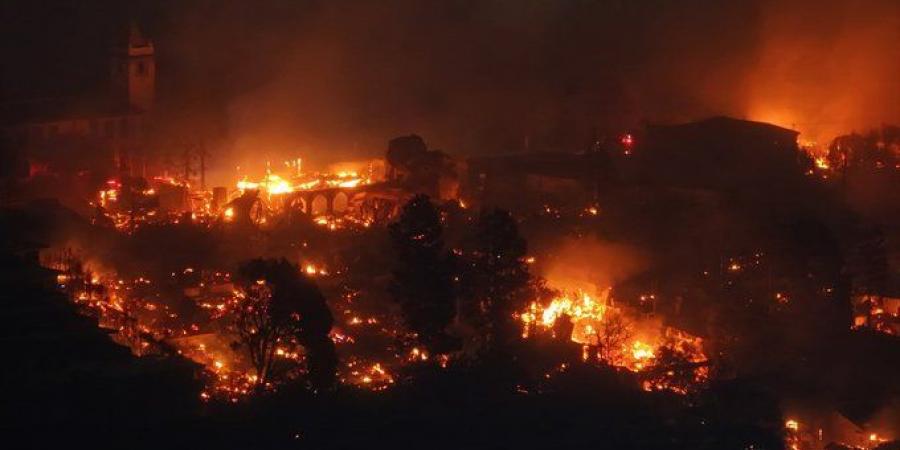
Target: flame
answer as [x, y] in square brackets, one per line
[274, 184]
[642, 351]
[350, 183]
[581, 307]
[590, 318]
[313, 269]
[244, 185]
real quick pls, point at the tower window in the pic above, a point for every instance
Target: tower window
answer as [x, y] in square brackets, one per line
[141, 68]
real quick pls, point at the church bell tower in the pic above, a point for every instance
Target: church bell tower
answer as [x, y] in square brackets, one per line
[133, 68]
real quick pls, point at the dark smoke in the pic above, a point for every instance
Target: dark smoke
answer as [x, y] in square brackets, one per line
[334, 80]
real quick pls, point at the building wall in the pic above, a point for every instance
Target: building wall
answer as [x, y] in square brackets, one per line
[119, 128]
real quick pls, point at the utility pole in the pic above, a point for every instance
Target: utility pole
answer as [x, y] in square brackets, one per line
[186, 156]
[202, 154]
[192, 151]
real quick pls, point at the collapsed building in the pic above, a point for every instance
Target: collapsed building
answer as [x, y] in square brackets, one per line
[373, 194]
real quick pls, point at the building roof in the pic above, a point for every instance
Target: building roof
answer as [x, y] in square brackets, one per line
[719, 152]
[732, 126]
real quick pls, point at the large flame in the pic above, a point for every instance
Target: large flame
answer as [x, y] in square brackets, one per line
[595, 322]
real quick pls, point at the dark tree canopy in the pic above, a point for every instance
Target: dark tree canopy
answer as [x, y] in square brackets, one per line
[403, 149]
[872, 150]
[423, 272]
[498, 277]
[285, 305]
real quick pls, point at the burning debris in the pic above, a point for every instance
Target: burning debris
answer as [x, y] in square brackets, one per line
[612, 336]
[877, 312]
[142, 319]
[833, 430]
[332, 200]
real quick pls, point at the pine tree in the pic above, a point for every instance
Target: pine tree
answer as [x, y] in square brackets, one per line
[423, 273]
[499, 276]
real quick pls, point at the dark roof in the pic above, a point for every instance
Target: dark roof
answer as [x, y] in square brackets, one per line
[725, 126]
[717, 153]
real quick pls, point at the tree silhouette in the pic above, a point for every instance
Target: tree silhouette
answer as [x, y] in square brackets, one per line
[563, 327]
[283, 308]
[258, 332]
[612, 334]
[870, 151]
[423, 277]
[674, 370]
[498, 280]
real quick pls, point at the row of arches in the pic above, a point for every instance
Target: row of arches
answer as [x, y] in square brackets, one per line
[373, 207]
[370, 206]
[320, 203]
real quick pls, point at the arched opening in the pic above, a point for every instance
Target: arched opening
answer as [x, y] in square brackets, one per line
[340, 202]
[258, 213]
[297, 205]
[319, 205]
[377, 209]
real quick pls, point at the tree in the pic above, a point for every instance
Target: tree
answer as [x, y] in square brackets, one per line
[423, 277]
[282, 307]
[258, 331]
[872, 150]
[612, 334]
[674, 370]
[499, 279]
